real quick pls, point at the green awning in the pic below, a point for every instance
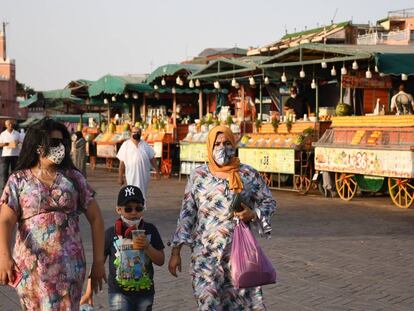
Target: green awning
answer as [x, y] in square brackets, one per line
[27, 102]
[172, 69]
[395, 63]
[52, 98]
[30, 121]
[75, 118]
[116, 85]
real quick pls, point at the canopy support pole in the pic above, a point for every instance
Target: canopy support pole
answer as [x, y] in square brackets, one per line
[175, 110]
[144, 107]
[317, 100]
[261, 102]
[242, 107]
[200, 105]
[133, 113]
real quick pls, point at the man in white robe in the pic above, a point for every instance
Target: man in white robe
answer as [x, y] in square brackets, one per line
[135, 160]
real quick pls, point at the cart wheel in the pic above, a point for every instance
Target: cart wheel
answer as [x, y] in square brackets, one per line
[346, 186]
[166, 167]
[267, 178]
[303, 182]
[401, 191]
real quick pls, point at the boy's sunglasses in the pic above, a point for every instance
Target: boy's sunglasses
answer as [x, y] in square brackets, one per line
[137, 209]
[55, 142]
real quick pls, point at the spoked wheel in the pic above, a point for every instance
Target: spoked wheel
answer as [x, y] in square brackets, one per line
[267, 178]
[401, 191]
[303, 182]
[346, 186]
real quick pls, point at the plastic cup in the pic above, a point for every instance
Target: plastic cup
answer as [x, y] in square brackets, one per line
[135, 235]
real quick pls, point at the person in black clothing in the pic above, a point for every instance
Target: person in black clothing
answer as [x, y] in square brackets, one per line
[131, 274]
[295, 103]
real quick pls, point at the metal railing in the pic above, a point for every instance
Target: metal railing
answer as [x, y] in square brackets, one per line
[384, 38]
[405, 13]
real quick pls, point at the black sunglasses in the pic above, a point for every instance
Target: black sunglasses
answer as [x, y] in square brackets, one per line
[137, 209]
[55, 142]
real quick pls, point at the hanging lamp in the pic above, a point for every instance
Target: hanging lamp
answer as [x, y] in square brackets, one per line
[233, 82]
[343, 70]
[197, 83]
[191, 83]
[284, 78]
[333, 71]
[302, 73]
[355, 65]
[404, 77]
[266, 80]
[163, 83]
[368, 73]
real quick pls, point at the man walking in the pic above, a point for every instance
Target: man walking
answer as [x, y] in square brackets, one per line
[9, 140]
[135, 160]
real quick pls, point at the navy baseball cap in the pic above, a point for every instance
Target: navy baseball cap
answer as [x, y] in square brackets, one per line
[130, 194]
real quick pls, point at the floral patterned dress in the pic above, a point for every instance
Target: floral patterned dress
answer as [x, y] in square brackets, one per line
[48, 248]
[206, 225]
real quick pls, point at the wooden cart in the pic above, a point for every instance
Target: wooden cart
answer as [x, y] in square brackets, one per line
[372, 153]
[283, 156]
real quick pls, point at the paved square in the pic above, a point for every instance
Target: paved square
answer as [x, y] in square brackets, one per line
[330, 254]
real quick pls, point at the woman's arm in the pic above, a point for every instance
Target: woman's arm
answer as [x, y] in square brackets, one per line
[8, 220]
[93, 214]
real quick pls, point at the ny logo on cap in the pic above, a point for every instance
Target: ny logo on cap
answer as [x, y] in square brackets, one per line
[129, 191]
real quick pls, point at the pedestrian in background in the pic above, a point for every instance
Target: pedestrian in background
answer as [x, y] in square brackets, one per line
[79, 152]
[9, 140]
[44, 197]
[206, 224]
[135, 160]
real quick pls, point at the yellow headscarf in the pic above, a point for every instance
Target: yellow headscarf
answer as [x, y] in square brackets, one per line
[232, 168]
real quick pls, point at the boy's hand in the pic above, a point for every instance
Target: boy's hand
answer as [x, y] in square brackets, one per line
[142, 241]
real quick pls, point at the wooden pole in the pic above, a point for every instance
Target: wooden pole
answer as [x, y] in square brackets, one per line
[133, 113]
[175, 110]
[144, 107]
[242, 107]
[200, 105]
[317, 101]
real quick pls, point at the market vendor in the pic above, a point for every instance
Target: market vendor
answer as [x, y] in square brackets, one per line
[295, 104]
[402, 102]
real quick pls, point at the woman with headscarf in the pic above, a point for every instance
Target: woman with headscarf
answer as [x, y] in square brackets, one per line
[79, 152]
[206, 224]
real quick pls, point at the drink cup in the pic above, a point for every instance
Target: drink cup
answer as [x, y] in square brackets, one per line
[135, 235]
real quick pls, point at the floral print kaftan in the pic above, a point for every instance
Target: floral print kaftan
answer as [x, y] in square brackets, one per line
[48, 248]
[206, 225]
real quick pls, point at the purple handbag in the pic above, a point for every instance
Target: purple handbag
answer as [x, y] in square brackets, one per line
[249, 265]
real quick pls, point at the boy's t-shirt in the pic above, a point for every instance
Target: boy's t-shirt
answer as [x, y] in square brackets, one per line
[130, 271]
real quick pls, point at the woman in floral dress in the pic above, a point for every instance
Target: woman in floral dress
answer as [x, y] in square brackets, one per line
[206, 224]
[45, 196]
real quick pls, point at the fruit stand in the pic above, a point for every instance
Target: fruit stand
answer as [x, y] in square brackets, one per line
[283, 153]
[373, 153]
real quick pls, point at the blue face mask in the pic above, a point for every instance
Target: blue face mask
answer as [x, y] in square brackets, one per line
[222, 156]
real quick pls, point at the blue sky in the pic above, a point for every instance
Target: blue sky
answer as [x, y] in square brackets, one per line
[56, 41]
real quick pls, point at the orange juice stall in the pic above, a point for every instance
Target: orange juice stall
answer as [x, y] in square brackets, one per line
[283, 153]
[372, 153]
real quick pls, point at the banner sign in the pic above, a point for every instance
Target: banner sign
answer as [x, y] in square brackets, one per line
[106, 150]
[386, 163]
[193, 152]
[269, 160]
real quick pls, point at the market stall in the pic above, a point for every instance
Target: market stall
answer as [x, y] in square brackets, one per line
[372, 153]
[283, 153]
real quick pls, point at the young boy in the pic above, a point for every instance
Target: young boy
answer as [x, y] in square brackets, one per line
[130, 280]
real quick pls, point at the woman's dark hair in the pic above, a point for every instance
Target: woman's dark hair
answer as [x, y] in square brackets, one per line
[78, 135]
[39, 135]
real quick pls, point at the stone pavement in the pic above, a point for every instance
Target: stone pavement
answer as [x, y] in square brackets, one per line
[330, 254]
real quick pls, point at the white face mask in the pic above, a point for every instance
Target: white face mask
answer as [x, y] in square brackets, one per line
[293, 95]
[130, 222]
[222, 156]
[56, 154]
